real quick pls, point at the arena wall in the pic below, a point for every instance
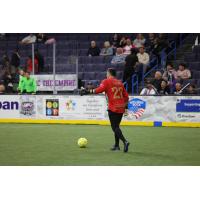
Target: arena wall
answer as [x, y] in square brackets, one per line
[181, 111]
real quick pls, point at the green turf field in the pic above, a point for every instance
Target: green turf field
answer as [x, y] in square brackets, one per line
[27, 144]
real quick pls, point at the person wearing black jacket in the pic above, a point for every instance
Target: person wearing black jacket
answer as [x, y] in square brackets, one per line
[93, 50]
[15, 59]
[129, 70]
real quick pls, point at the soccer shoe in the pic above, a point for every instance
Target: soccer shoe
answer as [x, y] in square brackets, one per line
[126, 145]
[114, 148]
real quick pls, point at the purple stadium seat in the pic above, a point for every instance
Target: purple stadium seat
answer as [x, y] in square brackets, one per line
[90, 75]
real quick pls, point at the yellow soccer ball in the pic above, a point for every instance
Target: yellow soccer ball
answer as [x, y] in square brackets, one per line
[82, 142]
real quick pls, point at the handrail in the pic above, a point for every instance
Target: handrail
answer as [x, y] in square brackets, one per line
[164, 56]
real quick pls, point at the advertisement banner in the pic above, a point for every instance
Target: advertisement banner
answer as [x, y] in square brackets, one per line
[91, 107]
[64, 82]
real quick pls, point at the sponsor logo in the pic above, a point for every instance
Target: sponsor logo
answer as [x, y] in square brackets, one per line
[27, 108]
[9, 105]
[70, 105]
[52, 107]
[188, 105]
[136, 107]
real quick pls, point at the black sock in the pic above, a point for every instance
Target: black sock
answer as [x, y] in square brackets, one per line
[118, 132]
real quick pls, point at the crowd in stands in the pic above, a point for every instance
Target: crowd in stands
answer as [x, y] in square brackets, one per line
[171, 81]
[132, 53]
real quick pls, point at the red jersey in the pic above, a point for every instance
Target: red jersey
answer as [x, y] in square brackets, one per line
[116, 93]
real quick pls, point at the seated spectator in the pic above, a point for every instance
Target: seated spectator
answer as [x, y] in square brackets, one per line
[128, 47]
[93, 50]
[170, 74]
[15, 59]
[31, 38]
[29, 85]
[29, 66]
[40, 59]
[115, 41]
[107, 50]
[119, 57]
[42, 38]
[2, 88]
[143, 58]
[191, 90]
[183, 73]
[122, 42]
[164, 88]
[139, 41]
[157, 81]
[178, 88]
[148, 90]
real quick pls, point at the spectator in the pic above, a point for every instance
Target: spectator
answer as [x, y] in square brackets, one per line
[2, 88]
[150, 40]
[164, 88]
[163, 41]
[157, 81]
[122, 42]
[31, 38]
[30, 65]
[139, 41]
[178, 88]
[42, 38]
[115, 41]
[129, 70]
[93, 50]
[8, 81]
[15, 59]
[107, 50]
[170, 74]
[5, 61]
[29, 85]
[119, 57]
[148, 90]
[191, 90]
[183, 73]
[40, 59]
[156, 47]
[128, 47]
[143, 58]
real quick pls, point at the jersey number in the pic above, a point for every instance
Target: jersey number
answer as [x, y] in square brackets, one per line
[118, 92]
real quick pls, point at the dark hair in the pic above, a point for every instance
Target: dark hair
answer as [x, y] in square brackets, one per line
[183, 64]
[134, 51]
[27, 72]
[170, 64]
[112, 71]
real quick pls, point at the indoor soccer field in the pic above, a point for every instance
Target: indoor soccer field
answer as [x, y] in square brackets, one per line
[56, 145]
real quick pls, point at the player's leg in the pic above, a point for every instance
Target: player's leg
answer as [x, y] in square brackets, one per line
[115, 119]
[112, 122]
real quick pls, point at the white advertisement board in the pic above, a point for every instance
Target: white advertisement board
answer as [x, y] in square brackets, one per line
[70, 107]
[64, 82]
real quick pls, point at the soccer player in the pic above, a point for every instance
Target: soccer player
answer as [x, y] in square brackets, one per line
[117, 102]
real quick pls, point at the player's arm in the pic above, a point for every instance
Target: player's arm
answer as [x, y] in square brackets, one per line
[100, 89]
